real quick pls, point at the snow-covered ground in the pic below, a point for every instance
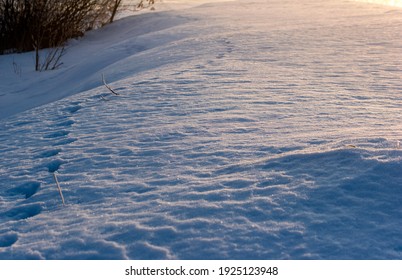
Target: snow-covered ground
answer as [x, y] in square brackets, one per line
[264, 129]
[396, 3]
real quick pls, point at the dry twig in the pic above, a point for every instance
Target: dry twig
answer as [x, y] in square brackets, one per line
[58, 186]
[107, 86]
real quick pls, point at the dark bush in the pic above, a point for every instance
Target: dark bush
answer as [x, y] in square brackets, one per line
[30, 24]
[27, 25]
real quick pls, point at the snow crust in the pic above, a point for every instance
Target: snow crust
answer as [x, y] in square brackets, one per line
[243, 130]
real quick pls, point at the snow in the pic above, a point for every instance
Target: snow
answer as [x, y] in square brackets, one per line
[396, 3]
[260, 129]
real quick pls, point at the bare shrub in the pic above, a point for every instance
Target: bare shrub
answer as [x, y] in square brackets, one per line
[27, 25]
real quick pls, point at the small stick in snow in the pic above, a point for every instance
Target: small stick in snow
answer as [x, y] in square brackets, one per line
[107, 86]
[58, 186]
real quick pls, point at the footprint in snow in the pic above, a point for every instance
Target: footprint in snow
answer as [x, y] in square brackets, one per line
[8, 239]
[73, 109]
[67, 123]
[28, 189]
[24, 212]
[50, 153]
[56, 134]
[65, 142]
[54, 165]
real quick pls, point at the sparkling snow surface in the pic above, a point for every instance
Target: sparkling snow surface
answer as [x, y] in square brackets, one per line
[243, 130]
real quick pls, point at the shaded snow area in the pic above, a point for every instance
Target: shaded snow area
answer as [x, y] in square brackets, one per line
[243, 130]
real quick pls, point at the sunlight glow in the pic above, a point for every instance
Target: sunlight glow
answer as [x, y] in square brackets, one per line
[396, 3]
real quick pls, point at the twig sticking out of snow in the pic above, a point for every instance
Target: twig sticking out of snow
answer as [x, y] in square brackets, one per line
[58, 186]
[107, 86]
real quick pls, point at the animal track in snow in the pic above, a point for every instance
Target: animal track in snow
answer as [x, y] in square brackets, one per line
[28, 189]
[57, 134]
[73, 109]
[24, 212]
[65, 142]
[50, 153]
[8, 239]
[54, 165]
[228, 45]
[67, 123]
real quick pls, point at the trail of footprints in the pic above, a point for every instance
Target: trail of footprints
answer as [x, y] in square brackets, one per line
[228, 48]
[28, 209]
[59, 138]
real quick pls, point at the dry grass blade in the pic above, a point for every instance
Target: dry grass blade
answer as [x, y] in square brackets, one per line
[58, 186]
[107, 86]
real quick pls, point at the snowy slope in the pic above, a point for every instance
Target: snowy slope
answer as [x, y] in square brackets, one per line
[268, 131]
[98, 53]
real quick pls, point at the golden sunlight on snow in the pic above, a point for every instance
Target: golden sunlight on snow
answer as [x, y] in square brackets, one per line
[396, 3]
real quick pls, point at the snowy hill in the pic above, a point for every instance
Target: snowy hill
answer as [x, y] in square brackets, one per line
[263, 129]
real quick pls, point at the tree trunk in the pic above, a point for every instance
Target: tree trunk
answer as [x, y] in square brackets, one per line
[114, 11]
